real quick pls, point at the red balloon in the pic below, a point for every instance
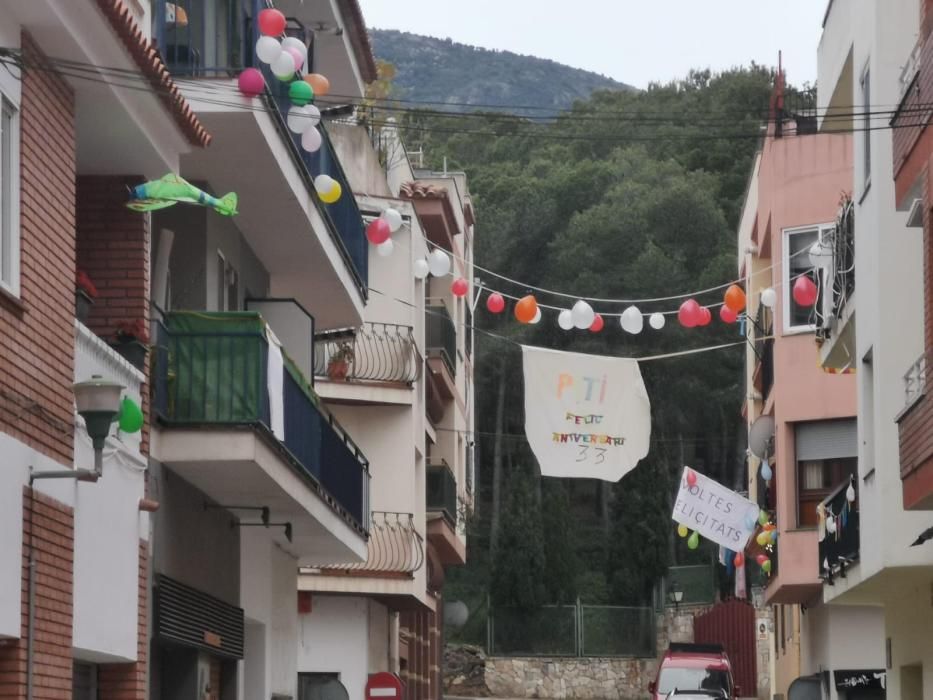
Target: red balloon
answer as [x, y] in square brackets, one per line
[272, 22]
[691, 478]
[805, 292]
[597, 324]
[727, 315]
[689, 313]
[761, 559]
[739, 560]
[378, 231]
[495, 303]
[705, 316]
[459, 287]
[251, 82]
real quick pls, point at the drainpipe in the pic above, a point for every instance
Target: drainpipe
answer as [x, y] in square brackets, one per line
[394, 666]
[31, 617]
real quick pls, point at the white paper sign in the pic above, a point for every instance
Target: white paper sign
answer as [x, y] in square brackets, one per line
[586, 416]
[715, 512]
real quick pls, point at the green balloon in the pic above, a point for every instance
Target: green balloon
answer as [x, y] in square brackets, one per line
[694, 541]
[766, 566]
[300, 93]
[131, 416]
[763, 517]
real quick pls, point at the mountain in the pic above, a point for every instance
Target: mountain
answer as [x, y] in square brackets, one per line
[445, 72]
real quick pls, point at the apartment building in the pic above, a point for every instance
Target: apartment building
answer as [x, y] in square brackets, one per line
[870, 59]
[801, 418]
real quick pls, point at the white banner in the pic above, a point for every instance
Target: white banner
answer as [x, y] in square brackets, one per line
[586, 416]
[715, 512]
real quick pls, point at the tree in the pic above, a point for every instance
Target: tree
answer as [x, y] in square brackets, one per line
[559, 547]
[519, 565]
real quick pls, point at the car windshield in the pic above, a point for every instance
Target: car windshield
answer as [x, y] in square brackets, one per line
[712, 680]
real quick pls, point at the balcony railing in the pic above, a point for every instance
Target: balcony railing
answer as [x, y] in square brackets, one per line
[376, 352]
[224, 46]
[441, 491]
[839, 533]
[395, 547]
[441, 336]
[915, 381]
[212, 370]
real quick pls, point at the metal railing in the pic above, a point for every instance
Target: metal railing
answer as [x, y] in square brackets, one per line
[840, 277]
[441, 491]
[380, 352]
[839, 544]
[915, 380]
[219, 377]
[222, 46]
[440, 336]
[395, 546]
[764, 351]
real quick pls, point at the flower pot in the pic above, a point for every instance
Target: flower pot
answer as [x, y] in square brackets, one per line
[337, 370]
[133, 352]
[83, 304]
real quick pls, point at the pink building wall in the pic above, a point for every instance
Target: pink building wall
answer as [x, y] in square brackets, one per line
[801, 182]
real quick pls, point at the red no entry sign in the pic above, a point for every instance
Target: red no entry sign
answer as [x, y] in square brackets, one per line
[383, 686]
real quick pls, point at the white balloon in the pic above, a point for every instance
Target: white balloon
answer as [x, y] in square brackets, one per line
[314, 115]
[583, 315]
[291, 42]
[268, 49]
[298, 119]
[323, 184]
[656, 320]
[850, 493]
[421, 268]
[821, 255]
[393, 218]
[565, 319]
[283, 67]
[311, 139]
[632, 321]
[831, 524]
[769, 297]
[439, 262]
[537, 315]
[385, 248]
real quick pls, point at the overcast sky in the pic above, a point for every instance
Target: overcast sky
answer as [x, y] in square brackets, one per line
[634, 41]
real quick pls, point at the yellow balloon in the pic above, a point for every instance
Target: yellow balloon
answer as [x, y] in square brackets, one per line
[763, 538]
[333, 195]
[682, 530]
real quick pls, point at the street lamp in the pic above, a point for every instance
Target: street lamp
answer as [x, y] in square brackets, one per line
[676, 595]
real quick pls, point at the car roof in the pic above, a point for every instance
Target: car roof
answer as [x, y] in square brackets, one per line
[694, 660]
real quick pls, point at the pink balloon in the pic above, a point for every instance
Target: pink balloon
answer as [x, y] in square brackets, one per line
[691, 478]
[805, 292]
[597, 324]
[705, 317]
[378, 231]
[251, 82]
[459, 287]
[297, 56]
[495, 303]
[727, 315]
[689, 313]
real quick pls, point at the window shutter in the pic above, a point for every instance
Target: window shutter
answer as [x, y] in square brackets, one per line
[834, 439]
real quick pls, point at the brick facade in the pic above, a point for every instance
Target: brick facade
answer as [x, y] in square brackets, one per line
[37, 331]
[51, 526]
[422, 675]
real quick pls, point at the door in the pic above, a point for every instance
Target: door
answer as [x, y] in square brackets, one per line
[732, 624]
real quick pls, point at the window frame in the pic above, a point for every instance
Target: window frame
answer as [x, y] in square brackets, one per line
[865, 92]
[786, 287]
[12, 285]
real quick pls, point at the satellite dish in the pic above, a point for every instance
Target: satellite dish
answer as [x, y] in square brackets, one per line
[761, 437]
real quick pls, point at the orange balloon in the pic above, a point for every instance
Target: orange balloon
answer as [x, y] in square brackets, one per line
[526, 308]
[318, 83]
[735, 298]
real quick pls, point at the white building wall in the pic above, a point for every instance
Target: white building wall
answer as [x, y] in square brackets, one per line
[334, 638]
[909, 624]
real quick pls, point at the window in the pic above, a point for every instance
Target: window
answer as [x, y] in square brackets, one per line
[320, 686]
[681, 679]
[796, 253]
[84, 681]
[9, 196]
[228, 285]
[827, 456]
[866, 126]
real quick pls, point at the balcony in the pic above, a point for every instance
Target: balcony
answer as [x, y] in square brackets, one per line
[308, 246]
[442, 502]
[763, 376]
[375, 352]
[395, 548]
[440, 340]
[241, 423]
[915, 427]
[838, 534]
[912, 140]
[835, 333]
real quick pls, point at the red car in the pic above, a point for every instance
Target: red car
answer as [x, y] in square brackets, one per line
[694, 669]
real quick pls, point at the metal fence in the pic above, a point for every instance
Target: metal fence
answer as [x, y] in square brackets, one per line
[572, 630]
[379, 352]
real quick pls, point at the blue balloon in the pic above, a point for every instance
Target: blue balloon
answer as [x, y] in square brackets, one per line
[766, 472]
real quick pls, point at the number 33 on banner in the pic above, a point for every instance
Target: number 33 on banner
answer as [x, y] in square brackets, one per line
[595, 455]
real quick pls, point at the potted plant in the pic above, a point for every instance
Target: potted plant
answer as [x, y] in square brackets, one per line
[85, 294]
[131, 340]
[338, 366]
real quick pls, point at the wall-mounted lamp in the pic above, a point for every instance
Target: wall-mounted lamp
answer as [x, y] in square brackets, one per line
[98, 403]
[676, 595]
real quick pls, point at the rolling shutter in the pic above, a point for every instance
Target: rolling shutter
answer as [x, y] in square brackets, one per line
[830, 439]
